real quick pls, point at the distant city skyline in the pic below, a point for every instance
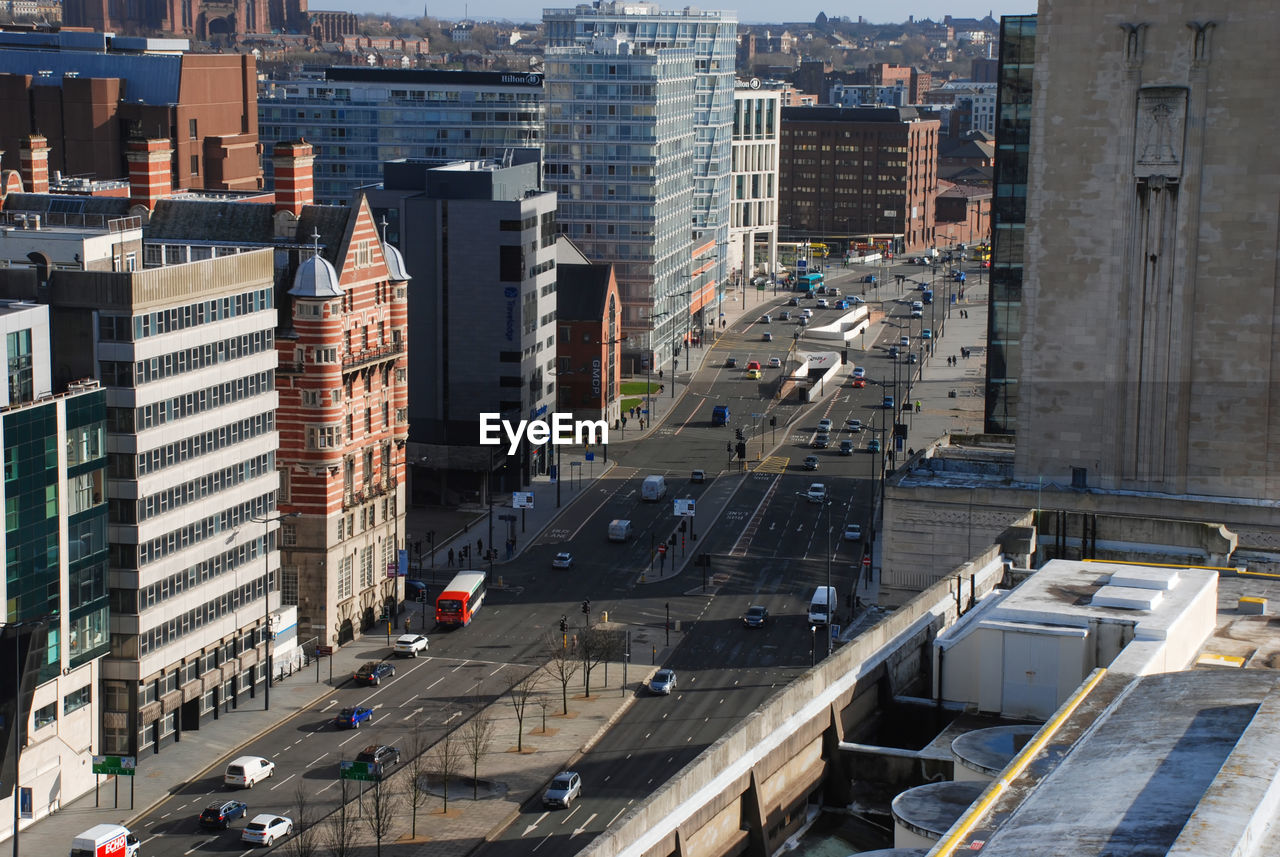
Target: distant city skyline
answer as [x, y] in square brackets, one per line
[749, 11]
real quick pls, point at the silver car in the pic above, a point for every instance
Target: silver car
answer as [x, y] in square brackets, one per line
[663, 682]
[565, 788]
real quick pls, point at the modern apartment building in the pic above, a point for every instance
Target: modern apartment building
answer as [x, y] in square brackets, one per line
[357, 118]
[480, 240]
[753, 218]
[639, 147]
[55, 544]
[87, 94]
[859, 171]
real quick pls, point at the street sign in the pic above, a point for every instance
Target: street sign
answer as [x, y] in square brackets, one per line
[590, 456]
[120, 766]
[684, 507]
[369, 772]
[506, 517]
[866, 562]
[522, 499]
[324, 651]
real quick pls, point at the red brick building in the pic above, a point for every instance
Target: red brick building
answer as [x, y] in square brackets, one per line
[963, 214]
[858, 171]
[588, 347]
[88, 104]
[201, 19]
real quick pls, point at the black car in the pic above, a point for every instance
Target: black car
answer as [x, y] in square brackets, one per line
[374, 672]
[381, 754]
[793, 302]
[755, 616]
[222, 813]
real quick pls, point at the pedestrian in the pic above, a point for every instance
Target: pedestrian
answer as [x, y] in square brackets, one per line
[451, 557]
[659, 374]
[917, 406]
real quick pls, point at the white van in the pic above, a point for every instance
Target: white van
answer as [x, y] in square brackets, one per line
[246, 771]
[619, 530]
[822, 605]
[105, 840]
[653, 488]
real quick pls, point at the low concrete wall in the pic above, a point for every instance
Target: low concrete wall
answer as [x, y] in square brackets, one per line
[765, 743]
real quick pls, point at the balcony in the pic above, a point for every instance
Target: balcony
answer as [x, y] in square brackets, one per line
[359, 359]
[368, 491]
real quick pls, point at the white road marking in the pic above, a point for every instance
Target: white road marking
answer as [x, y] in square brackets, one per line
[282, 782]
[536, 822]
[543, 842]
[570, 814]
[583, 827]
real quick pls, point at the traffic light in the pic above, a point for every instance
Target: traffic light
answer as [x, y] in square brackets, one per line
[564, 624]
[742, 450]
[683, 525]
[773, 421]
[672, 540]
[586, 607]
[739, 435]
[844, 356]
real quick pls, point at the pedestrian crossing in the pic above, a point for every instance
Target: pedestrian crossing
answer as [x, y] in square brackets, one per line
[773, 464]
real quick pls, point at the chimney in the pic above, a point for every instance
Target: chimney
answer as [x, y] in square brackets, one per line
[34, 164]
[294, 186]
[150, 171]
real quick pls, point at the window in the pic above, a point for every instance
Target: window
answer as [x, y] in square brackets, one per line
[75, 700]
[191, 128]
[46, 716]
[510, 264]
[20, 368]
[195, 165]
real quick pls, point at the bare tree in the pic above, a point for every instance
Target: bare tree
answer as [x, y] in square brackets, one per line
[418, 767]
[340, 828]
[520, 695]
[597, 646]
[305, 841]
[561, 665]
[381, 809]
[477, 735]
[446, 756]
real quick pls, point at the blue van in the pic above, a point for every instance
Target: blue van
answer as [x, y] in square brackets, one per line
[720, 415]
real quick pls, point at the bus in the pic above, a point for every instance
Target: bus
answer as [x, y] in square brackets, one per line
[460, 599]
[982, 253]
[808, 283]
[819, 250]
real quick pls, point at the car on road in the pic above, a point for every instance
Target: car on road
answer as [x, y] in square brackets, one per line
[698, 476]
[854, 300]
[904, 341]
[859, 371]
[775, 362]
[754, 374]
[846, 447]
[853, 532]
[869, 278]
[765, 319]
[373, 672]
[767, 336]
[564, 789]
[730, 362]
[821, 440]
[912, 357]
[807, 313]
[822, 303]
[266, 829]
[245, 771]
[379, 754]
[841, 304]
[887, 403]
[564, 559]
[811, 462]
[853, 425]
[410, 645]
[858, 383]
[893, 352]
[351, 718]
[785, 315]
[927, 333]
[222, 813]
[663, 682]
[873, 445]
[817, 493]
[793, 302]
[753, 364]
[824, 424]
[755, 617]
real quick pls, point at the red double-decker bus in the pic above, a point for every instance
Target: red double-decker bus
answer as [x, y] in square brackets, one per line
[460, 599]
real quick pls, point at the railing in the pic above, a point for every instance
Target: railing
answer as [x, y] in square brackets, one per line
[369, 491]
[357, 360]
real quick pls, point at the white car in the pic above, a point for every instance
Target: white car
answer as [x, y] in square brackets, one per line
[822, 303]
[663, 682]
[410, 644]
[565, 787]
[266, 828]
[824, 424]
[853, 425]
[817, 493]
[808, 313]
[853, 532]
[775, 363]
[859, 372]
[564, 559]
[243, 772]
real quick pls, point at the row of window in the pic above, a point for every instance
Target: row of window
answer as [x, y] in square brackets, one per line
[47, 715]
[124, 511]
[135, 601]
[154, 639]
[194, 533]
[121, 374]
[131, 328]
[129, 420]
[126, 466]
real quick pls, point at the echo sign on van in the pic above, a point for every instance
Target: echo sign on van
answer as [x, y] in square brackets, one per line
[563, 430]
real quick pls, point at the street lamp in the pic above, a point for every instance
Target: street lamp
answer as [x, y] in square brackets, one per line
[266, 520]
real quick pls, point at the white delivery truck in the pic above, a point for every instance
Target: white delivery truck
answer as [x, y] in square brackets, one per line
[619, 530]
[653, 488]
[105, 840]
[822, 605]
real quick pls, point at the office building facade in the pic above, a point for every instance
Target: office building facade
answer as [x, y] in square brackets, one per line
[753, 218]
[358, 118]
[644, 99]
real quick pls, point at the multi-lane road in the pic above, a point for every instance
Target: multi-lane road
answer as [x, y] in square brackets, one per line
[769, 545]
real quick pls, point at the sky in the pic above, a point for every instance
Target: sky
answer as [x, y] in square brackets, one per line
[749, 11]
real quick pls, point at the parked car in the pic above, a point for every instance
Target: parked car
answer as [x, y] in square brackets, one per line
[222, 813]
[565, 788]
[811, 462]
[663, 682]
[410, 645]
[373, 672]
[755, 617]
[351, 718]
[698, 476]
[564, 559]
[379, 754]
[853, 532]
[245, 771]
[266, 828]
